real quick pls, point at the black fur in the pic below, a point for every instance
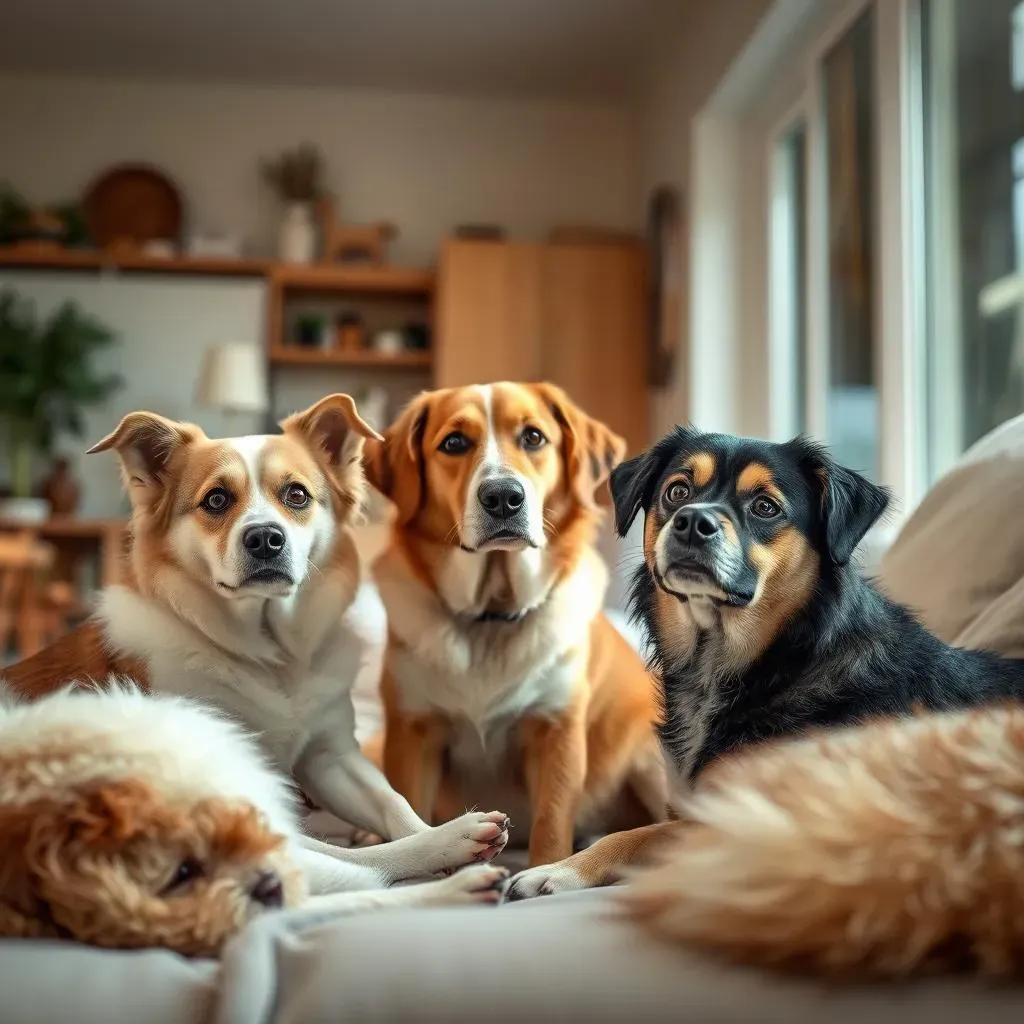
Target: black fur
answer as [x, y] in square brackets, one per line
[848, 655]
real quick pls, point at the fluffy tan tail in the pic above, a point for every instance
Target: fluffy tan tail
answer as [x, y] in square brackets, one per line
[886, 850]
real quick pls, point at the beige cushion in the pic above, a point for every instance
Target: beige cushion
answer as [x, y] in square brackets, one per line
[962, 551]
[561, 958]
[959, 560]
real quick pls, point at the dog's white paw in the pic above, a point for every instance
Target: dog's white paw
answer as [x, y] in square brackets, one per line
[475, 837]
[545, 881]
[479, 883]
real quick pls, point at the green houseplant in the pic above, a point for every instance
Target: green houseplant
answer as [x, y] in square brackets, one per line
[47, 378]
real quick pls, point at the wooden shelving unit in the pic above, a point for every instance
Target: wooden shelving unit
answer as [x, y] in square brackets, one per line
[32, 258]
[284, 280]
[288, 355]
[355, 280]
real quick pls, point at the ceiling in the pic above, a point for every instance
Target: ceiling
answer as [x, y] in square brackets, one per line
[572, 48]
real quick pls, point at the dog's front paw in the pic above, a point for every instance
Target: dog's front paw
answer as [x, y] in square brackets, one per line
[474, 837]
[545, 881]
[479, 883]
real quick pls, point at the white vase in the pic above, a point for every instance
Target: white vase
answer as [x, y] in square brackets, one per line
[30, 511]
[297, 240]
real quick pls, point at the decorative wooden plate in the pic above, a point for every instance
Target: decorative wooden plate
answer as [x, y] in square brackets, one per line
[130, 205]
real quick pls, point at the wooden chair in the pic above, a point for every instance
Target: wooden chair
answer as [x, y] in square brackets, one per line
[34, 611]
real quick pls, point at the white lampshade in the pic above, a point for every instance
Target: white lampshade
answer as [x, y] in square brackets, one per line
[234, 378]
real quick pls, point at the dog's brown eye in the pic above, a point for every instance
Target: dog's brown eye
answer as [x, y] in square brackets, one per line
[216, 501]
[765, 508]
[296, 496]
[532, 439]
[187, 871]
[456, 443]
[677, 492]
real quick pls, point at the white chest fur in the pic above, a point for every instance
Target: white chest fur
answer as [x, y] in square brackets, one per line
[487, 675]
[287, 675]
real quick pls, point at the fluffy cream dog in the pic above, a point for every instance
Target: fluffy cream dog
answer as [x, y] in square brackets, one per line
[129, 820]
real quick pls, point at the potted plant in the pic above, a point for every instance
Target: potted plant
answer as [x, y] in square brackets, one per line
[296, 177]
[310, 330]
[47, 378]
[15, 214]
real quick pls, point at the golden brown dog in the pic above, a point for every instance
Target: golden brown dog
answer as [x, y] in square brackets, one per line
[504, 681]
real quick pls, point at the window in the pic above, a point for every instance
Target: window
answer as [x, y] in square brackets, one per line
[852, 405]
[788, 284]
[974, 103]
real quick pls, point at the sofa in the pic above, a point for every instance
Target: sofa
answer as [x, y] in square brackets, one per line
[959, 561]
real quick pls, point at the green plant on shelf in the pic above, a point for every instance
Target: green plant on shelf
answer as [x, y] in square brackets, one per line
[47, 379]
[296, 175]
[15, 213]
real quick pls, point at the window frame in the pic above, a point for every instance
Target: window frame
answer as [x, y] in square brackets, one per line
[779, 77]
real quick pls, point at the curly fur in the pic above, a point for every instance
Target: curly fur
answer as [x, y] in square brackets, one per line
[105, 795]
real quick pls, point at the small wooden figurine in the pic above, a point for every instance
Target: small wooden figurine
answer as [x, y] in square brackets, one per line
[352, 241]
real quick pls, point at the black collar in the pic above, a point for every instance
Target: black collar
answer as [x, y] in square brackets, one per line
[509, 617]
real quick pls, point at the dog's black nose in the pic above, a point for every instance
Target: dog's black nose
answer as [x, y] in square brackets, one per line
[268, 890]
[264, 542]
[695, 525]
[502, 497]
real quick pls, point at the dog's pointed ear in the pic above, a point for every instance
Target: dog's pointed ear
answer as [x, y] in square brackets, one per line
[395, 464]
[850, 503]
[590, 449]
[146, 443]
[334, 428]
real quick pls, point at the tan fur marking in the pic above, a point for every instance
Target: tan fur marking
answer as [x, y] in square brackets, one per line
[788, 571]
[702, 467]
[285, 463]
[755, 478]
[213, 464]
[608, 860]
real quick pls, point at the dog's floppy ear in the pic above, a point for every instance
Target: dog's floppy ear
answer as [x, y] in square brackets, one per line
[395, 464]
[850, 503]
[19, 901]
[591, 451]
[334, 428]
[145, 443]
[633, 483]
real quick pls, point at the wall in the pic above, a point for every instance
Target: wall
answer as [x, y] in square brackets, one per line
[681, 82]
[425, 162]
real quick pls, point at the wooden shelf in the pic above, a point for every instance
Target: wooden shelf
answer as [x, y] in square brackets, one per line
[312, 277]
[295, 356]
[19, 258]
[326, 277]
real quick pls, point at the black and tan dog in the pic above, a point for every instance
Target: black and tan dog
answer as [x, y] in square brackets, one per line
[761, 626]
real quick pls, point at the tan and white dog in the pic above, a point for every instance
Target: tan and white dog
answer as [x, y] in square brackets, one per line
[242, 590]
[503, 679]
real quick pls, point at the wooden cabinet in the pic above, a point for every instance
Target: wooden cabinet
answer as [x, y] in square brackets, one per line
[574, 314]
[488, 313]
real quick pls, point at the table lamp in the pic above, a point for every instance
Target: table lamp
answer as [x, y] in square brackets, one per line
[233, 379]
